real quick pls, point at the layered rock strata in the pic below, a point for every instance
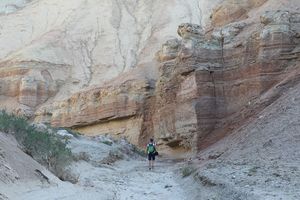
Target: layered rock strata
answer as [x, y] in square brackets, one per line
[68, 65]
[208, 83]
[25, 87]
[97, 40]
[233, 10]
[88, 42]
[117, 110]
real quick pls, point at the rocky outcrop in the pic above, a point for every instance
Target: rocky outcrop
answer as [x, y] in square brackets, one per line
[114, 109]
[209, 83]
[33, 92]
[169, 50]
[26, 87]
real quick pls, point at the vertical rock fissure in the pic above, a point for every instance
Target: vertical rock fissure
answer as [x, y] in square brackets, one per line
[147, 129]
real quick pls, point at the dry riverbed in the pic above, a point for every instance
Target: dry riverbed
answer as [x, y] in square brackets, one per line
[108, 171]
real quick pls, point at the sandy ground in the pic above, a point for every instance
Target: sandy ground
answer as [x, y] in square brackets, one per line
[140, 183]
[128, 178]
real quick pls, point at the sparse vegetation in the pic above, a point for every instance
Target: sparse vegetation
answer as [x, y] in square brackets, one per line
[187, 171]
[112, 157]
[44, 147]
[81, 156]
[139, 151]
[109, 143]
[204, 180]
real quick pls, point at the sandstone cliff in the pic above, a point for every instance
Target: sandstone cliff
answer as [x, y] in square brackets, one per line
[51, 50]
[212, 85]
[91, 65]
[62, 47]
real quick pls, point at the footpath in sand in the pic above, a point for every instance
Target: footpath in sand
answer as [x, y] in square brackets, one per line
[140, 183]
[99, 177]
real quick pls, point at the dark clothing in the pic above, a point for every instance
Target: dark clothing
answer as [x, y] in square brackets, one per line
[151, 156]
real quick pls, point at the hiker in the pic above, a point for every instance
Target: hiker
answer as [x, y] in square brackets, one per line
[151, 151]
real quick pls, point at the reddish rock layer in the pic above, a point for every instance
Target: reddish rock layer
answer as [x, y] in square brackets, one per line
[28, 87]
[200, 91]
[121, 110]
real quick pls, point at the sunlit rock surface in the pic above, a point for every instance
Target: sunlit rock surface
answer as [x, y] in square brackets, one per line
[120, 67]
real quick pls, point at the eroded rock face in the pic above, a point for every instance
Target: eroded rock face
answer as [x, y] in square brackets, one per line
[204, 85]
[26, 88]
[197, 96]
[232, 10]
[90, 42]
[278, 32]
[169, 50]
[227, 33]
[99, 40]
[190, 31]
[91, 66]
[115, 109]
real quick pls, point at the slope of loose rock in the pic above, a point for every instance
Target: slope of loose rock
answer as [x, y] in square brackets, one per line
[258, 161]
[15, 164]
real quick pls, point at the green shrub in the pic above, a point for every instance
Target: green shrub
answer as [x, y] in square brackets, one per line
[44, 147]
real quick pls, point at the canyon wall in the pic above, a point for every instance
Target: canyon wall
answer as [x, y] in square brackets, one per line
[92, 65]
[211, 84]
[88, 43]
[205, 84]
[55, 52]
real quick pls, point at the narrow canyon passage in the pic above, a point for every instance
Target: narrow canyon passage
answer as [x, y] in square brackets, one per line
[86, 84]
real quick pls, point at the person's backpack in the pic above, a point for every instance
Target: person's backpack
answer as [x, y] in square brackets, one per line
[151, 148]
